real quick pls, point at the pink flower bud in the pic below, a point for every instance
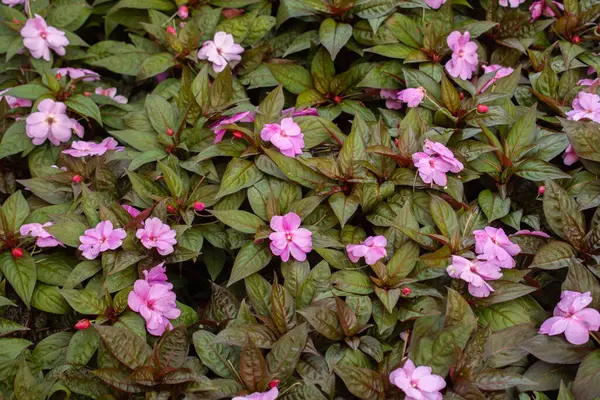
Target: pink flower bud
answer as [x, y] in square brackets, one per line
[77, 178]
[199, 206]
[171, 30]
[83, 324]
[405, 291]
[482, 108]
[171, 209]
[541, 190]
[183, 12]
[274, 383]
[17, 252]
[170, 132]
[87, 94]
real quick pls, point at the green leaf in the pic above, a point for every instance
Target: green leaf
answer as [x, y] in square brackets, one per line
[30, 91]
[243, 221]
[12, 347]
[505, 291]
[293, 77]
[444, 217]
[172, 349]
[20, 273]
[554, 255]
[85, 302]
[362, 382]
[47, 298]
[251, 258]
[7, 326]
[125, 346]
[201, 88]
[561, 211]
[504, 315]
[493, 205]
[555, 349]
[253, 367]
[14, 140]
[173, 180]
[68, 228]
[343, 206]
[538, 170]
[297, 171]
[584, 136]
[269, 109]
[334, 36]
[221, 89]
[325, 321]
[82, 346]
[156, 64]
[15, 209]
[587, 381]
[521, 135]
[84, 106]
[237, 335]
[239, 175]
[222, 359]
[285, 354]
[161, 114]
[499, 380]
[580, 279]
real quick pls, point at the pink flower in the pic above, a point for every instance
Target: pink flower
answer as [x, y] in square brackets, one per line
[413, 97]
[39, 38]
[531, 233]
[183, 12]
[158, 274]
[501, 72]
[132, 211]
[49, 122]
[588, 82]
[392, 102]
[372, 249]
[159, 235]
[464, 55]
[540, 7]
[569, 156]
[12, 3]
[44, 239]
[435, 4]
[79, 148]
[111, 92]
[14, 102]
[475, 273]
[431, 169]
[512, 3]
[292, 112]
[493, 245]
[289, 238]
[418, 382]
[437, 149]
[221, 51]
[156, 303]
[101, 238]
[245, 116]
[271, 394]
[287, 137]
[77, 127]
[86, 75]
[106, 145]
[585, 105]
[572, 318]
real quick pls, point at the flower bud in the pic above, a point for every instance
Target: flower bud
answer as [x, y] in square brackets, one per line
[183, 12]
[83, 324]
[461, 96]
[405, 291]
[337, 99]
[171, 209]
[238, 134]
[482, 108]
[87, 94]
[171, 30]
[541, 190]
[77, 178]
[274, 383]
[17, 252]
[199, 206]
[170, 132]
[576, 39]
[58, 76]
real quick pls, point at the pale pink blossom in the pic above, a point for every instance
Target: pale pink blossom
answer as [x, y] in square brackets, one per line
[39, 38]
[159, 235]
[220, 51]
[80, 148]
[435, 4]
[289, 238]
[418, 383]
[412, 97]
[287, 137]
[157, 274]
[437, 149]
[372, 249]
[588, 82]
[77, 128]
[511, 3]
[540, 7]
[112, 93]
[101, 238]
[14, 102]
[12, 3]
[183, 12]
[431, 169]
[392, 102]
[501, 72]
[531, 233]
[572, 318]
[134, 212]
[271, 394]
[493, 245]
[475, 273]
[585, 105]
[49, 122]
[86, 75]
[44, 238]
[156, 303]
[464, 55]
[246, 116]
[569, 156]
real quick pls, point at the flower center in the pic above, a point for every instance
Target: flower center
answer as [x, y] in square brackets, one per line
[43, 35]
[151, 304]
[153, 239]
[101, 241]
[50, 119]
[288, 236]
[461, 53]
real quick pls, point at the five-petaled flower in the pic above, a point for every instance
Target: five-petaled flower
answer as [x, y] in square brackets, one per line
[14, 102]
[156, 303]
[475, 273]
[270, 394]
[287, 137]
[159, 235]
[112, 93]
[289, 238]
[573, 318]
[49, 122]
[220, 51]
[44, 238]
[372, 249]
[493, 245]
[101, 238]
[464, 55]
[434, 162]
[412, 97]
[585, 105]
[418, 383]
[39, 38]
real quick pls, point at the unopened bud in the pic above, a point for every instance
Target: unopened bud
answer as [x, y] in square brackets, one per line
[274, 383]
[576, 39]
[482, 108]
[337, 99]
[77, 178]
[461, 96]
[199, 206]
[83, 324]
[170, 132]
[171, 30]
[183, 12]
[405, 291]
[58, 76]
[171, 209]
[87, 94]
[17, 252]
[238, 134]
[541, 190]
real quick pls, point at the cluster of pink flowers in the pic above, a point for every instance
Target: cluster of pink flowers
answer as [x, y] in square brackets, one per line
[79, 148]
[287, 137]
[540, 7]
[100, 239]
[372, 249]
[40, 38]
[418, 383]
[434, 162]
[14, 102]
[585, 105]
[51, 122]
[86, 75]
[112, 93]
[159, 235]
[44, 238]
[154, 299]
[220, 51]
[464, 55]
[289, 238]
[500, 71]
[270, 394]
[572, 318]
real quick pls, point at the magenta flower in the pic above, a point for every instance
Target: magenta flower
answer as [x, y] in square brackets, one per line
[413, 97]
[437, 149]
[12, 3]
[101, 238]
[271, 394]
[49, 122]
[86, 75]
[573, 318]
[540, 7]
[464, 55]
[418, 382]
[39, 38]
[44, 239]
[221, 51]
[569, 156]
[157, 274]
[531, 233]
[435, 4]
[511, 3]
[14, 102]
[585, 105]
[475, 273]
[372, 249]
[292, 112]
[493, 245]
[392, 102]
[159, 235]
[132, 211]
[112, 93]
[287, 137]
[501, 72]
[245, 116]
[289, 238]
[156, 303]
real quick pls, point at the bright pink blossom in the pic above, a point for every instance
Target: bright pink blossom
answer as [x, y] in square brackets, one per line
[49, 122]
[431, 169]
[101, 238]
[573, 318]
[540, 7]
[418, 382]
[183, 12]
[392, 102]
[14, 102]
[246, 116]
[585, 105]
[86, 75]
[271, 394]
[372, 249]
[134, 212]
[157, 274]
[413, 97]
[44, 238]
[531, 233]
[511, 3]
[475, 273]
[464, 55]
[221, 51]
[156, 303]
[289, 238]
[570, 157]
[437, 149]
[435, 4]
[112, 93]
[39, 38]
[159, 235]
[493, 245]
[287, 136]
[501, 72]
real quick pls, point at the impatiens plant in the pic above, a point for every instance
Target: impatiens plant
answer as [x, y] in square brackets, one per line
[299, 199]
